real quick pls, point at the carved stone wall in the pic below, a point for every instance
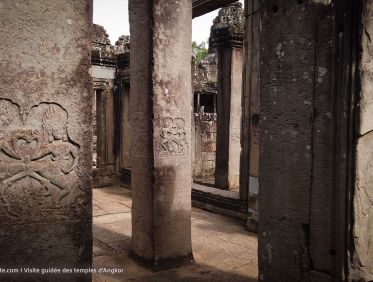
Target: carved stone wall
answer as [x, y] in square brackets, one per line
[205, 145]
[45, 134]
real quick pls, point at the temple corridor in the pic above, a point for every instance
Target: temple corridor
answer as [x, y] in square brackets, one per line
[223, 249]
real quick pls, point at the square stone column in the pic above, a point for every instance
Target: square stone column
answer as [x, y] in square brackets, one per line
[227, 39]
[161, 121]
[314, 224]
[250, 138]
[45, 137]
[361, 255]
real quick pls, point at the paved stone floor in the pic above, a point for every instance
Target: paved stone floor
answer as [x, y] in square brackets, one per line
[222, 248]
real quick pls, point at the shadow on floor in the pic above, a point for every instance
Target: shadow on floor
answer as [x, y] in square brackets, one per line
[111, 250]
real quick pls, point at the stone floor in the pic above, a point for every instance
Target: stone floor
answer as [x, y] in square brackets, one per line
[209, 181]
[222, 248]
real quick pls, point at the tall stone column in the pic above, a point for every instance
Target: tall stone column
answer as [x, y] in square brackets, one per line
[308, 67]
[45, 137]
[361, 256]
[161, 119]
[227, 39]
[250, 112]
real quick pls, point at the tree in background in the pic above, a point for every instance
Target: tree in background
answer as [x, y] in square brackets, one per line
[199, 51]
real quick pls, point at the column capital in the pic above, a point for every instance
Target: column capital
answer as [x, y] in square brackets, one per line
[228, 27]
[122, 49]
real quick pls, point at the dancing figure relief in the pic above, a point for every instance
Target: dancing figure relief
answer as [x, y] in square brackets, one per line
[173, 137]
[140, 141]
[37, 158]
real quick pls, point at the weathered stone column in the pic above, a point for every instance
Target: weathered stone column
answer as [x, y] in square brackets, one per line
[45, 137]
[361, 266]
[103, 71]
[123, 112]
[161, 120]
[307, 152]
[249, 166]
[227, 38]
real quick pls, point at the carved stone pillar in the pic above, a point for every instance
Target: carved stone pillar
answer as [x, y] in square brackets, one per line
[227, 39]
[45, 136]
[161, 120]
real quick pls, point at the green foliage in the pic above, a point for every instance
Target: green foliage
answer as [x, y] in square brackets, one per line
[199, 51]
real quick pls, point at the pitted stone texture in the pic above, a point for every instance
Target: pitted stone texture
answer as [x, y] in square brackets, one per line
[230, 17]
[226, 39]
[45, 134]
[103, 53]
[362, 259]
[229, 111]
[366, 102]
[363, 206]
[161, 119]
[228, 26]
[205, 144]
[100, 35]
[297, 212]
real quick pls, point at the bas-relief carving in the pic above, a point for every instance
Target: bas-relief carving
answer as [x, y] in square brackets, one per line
[38, 163]
[236, 137]
[141, 139]
[173, 137]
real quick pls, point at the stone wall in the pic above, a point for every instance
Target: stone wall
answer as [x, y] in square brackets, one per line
[205, 145]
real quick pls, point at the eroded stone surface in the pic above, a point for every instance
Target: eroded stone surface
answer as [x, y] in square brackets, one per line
[161, 120]
[362, 259]
[45, 134]
[227, 39]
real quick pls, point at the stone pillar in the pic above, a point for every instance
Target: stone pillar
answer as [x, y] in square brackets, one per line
[126, 136]
[124, 129]
[109, 125]
[101, 127]
[45, 137]
[161, 120]
[227, 39]
[361, 260]
[250, 112]
[103, 72]
[250, 125]
[307, 125]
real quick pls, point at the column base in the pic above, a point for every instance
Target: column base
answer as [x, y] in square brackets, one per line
[162, 264]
